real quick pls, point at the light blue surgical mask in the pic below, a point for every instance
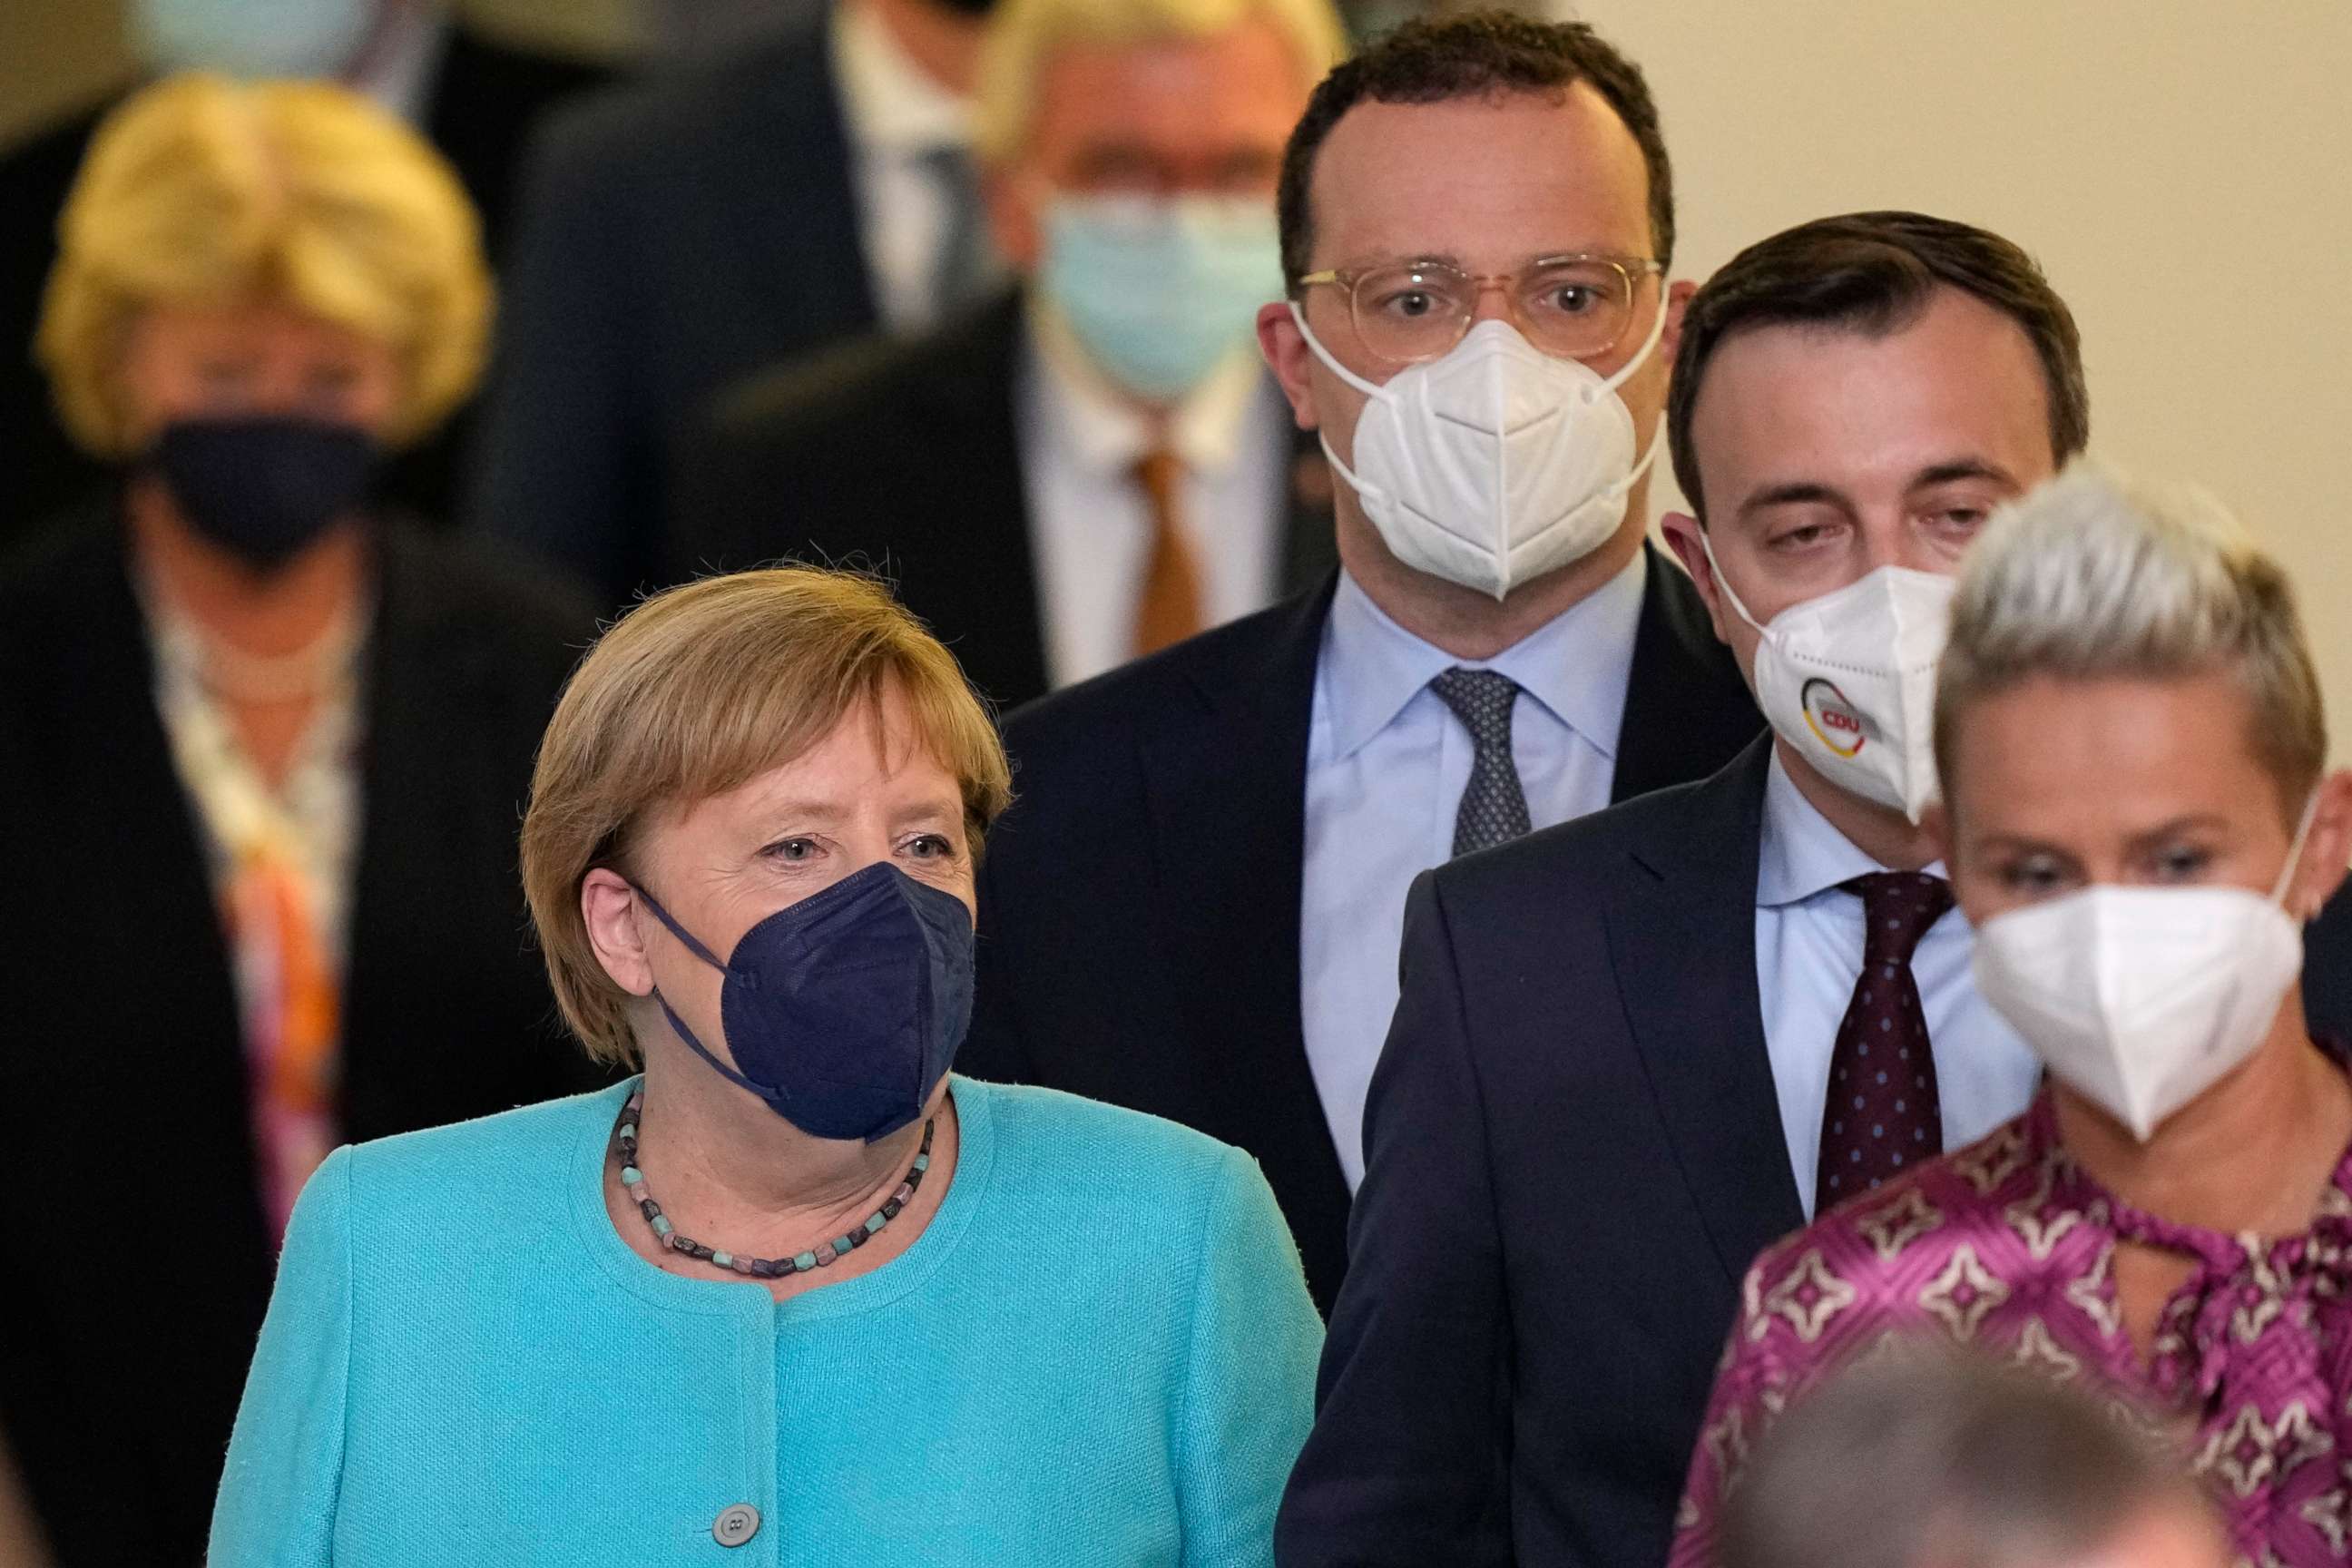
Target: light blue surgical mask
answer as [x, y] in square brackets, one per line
[1158, 289]
[252, 37]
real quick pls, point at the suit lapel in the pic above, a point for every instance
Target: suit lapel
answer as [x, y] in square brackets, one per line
[1228, 801]
[1682, 933]
[1687, 712]
[129, 806]
[963, 427]
[794, 199]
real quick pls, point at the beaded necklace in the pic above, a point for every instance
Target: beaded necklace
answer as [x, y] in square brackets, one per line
[633, 1181]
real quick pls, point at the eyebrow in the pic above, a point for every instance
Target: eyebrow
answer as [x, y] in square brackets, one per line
[1798, 492]
[1453, 259]
[820, 810]
[2208, 820]
[1959, 468]
[1793, 493]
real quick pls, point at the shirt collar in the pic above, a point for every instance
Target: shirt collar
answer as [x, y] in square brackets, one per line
[891, 106]
[1107, 433]
[1575, 664]
[1803, 852]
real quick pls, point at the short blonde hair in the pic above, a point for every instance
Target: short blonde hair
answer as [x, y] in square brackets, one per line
[2093, 575]
[198, 190]
[701, 689]
[1024, 33]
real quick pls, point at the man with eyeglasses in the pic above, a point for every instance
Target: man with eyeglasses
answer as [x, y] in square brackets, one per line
[1194, 908]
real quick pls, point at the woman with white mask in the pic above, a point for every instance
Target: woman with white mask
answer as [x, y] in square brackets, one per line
[2138, 822]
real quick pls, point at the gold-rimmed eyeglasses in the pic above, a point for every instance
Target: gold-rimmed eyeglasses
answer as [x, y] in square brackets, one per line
[1575, 307]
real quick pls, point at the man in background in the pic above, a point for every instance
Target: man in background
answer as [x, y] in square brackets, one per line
[1194, 908]
[731, 213]
[1093, 465]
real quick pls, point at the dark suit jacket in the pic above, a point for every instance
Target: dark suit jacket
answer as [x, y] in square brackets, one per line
[132, 1286]
[673, 236]
[1574, 1152]
[485, 96]
[1139, 904]
[904, 453]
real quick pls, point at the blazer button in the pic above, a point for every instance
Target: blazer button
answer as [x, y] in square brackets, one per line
[736, 1525]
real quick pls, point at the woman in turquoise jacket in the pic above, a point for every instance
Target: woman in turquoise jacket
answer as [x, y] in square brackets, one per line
[794, 1294]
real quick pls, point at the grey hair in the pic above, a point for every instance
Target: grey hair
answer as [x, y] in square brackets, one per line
[2095, 576]
[1932, 1455]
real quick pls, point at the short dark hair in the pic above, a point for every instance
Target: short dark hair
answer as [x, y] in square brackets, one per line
[1476, 54]
[1937, 1456]
[1874, 273]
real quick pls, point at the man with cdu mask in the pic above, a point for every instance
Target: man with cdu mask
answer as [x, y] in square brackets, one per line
[1632, 1051]
[1210, 858]
[1093, 465]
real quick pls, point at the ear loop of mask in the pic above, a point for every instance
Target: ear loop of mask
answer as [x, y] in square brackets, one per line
[1610, 385]
[1723, 584]
[2286, 883]
[679, 1024]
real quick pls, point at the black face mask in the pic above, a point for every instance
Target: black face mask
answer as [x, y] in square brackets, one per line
[264, 488]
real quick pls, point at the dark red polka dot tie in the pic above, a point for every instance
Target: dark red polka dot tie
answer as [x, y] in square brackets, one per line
[1882, 1115]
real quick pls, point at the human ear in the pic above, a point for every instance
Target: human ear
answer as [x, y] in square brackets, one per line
[1287, 355]
[2324, 849]
[609, 906]
[1684, 537]
[1013, 222]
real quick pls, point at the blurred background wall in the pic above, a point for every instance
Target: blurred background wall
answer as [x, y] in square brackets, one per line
[2179, 167]
[2183, 171]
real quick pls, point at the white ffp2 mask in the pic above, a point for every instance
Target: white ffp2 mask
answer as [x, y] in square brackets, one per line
[2143, 998]
[1848, 680]
[1497, 462]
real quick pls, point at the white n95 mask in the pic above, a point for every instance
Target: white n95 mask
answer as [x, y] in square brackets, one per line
[1494, 463]
[2141, 999]
[1848, 680]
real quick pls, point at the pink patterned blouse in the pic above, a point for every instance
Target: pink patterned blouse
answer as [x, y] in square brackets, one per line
[2009, 1246]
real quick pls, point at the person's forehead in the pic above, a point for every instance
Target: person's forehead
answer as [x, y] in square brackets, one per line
[1489, 180]
[1250, 68]
[1958, 378]
[2160, 748]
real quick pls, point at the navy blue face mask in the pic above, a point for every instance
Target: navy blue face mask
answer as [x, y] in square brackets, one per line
[264, 488]
[844, 1011]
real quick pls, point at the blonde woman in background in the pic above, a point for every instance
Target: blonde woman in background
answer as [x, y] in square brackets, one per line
[797, 1292]
[261, 752]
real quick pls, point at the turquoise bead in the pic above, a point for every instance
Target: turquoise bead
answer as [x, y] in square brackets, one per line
[805, 1260]
[661, 1225]
[630, 1175]
[724, 1259]
[874, 1222]
[922, 1162]
[841, 1248]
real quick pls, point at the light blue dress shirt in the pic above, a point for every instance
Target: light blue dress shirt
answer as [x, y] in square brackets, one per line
[1386, 764]
[1808, 959]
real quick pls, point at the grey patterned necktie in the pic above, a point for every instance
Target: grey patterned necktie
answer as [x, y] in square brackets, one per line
[965, 263]
[1493, 807]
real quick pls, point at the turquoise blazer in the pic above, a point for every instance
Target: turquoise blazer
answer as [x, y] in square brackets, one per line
[1100, 1351]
